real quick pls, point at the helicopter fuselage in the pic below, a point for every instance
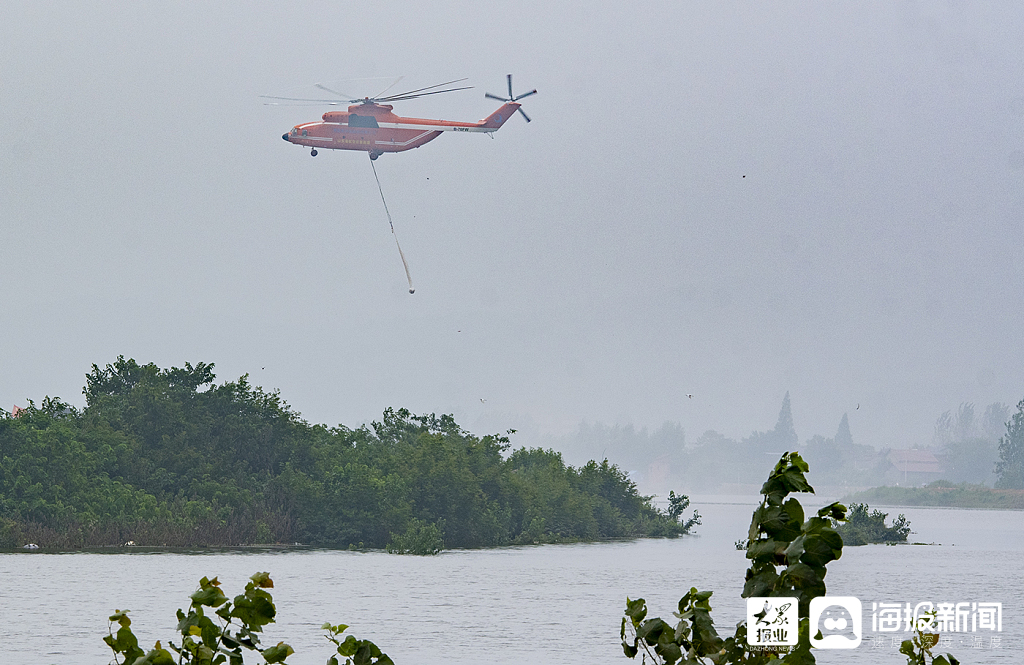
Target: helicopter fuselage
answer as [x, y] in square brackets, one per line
[375, 129]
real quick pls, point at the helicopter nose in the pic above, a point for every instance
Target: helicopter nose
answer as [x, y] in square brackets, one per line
[285, 136]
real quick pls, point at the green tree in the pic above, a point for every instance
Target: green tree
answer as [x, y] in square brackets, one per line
[1010, 466]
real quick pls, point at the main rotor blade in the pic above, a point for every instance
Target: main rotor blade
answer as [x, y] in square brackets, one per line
[525, 94]
[347, 98]
[399, 98]
[524, 114]
[429, 87]
[304, 104]
[490, 96]
[393, 84]
[510, 95]
[303, 99]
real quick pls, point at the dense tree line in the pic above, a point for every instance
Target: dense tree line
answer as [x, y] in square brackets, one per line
[169, 457]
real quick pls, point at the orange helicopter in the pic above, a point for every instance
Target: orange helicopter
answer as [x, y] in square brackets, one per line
[370, 126]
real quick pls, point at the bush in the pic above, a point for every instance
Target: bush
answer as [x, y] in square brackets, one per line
[864, 528]
[420, 538]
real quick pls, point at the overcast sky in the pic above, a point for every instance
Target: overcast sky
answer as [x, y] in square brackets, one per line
[729, 200]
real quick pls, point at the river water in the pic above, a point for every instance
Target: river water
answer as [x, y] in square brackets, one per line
[543, 604]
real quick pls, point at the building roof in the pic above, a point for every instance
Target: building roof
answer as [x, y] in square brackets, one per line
[915, 461]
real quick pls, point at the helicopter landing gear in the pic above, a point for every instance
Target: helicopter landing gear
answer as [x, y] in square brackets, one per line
[312, 153]
[374, 154]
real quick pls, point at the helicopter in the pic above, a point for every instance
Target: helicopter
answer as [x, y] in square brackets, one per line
[369, 124]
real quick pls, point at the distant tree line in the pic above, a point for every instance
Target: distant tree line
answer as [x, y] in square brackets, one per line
[169, 457]
[665, 458]
[971, 449]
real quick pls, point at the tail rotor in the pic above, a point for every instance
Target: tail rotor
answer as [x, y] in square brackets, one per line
[511, 97]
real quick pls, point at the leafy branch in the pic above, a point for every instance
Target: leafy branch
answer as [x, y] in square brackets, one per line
[918, 649]
[355, 652]
[234, 626]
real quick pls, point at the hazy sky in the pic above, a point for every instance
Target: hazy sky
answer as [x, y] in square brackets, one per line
[729, 200]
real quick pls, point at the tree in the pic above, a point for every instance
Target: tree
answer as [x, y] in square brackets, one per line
[844, 440]
[785, 432]
[782, 437]
[969, 444]
[994, 420]
[966, 423]
[944, 428]
[1010, 466]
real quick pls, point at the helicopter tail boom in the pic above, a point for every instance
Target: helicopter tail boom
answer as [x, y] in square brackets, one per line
[499, 117]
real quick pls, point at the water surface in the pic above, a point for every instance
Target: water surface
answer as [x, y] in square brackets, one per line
[545, 604]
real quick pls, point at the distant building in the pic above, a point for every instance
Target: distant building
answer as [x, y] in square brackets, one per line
[913, 467]
[17, 411]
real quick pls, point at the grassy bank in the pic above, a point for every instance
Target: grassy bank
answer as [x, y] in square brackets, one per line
[943, 494]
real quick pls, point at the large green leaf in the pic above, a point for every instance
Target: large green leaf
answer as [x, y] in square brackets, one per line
[156, 656]
[255, 609]
[670, 651]
[349, 646]
[801, 575]
[652, 629]
[760, 583]
[262, 580]
[817, 551]
[765, 550]
[636, 609]
[210, 596]
[277, 654]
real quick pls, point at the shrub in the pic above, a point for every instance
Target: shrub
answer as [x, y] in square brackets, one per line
[863, 528]
[421, 538]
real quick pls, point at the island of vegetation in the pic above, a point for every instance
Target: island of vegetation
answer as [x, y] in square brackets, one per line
[943, 493]
[867, 527]
[169, 457]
